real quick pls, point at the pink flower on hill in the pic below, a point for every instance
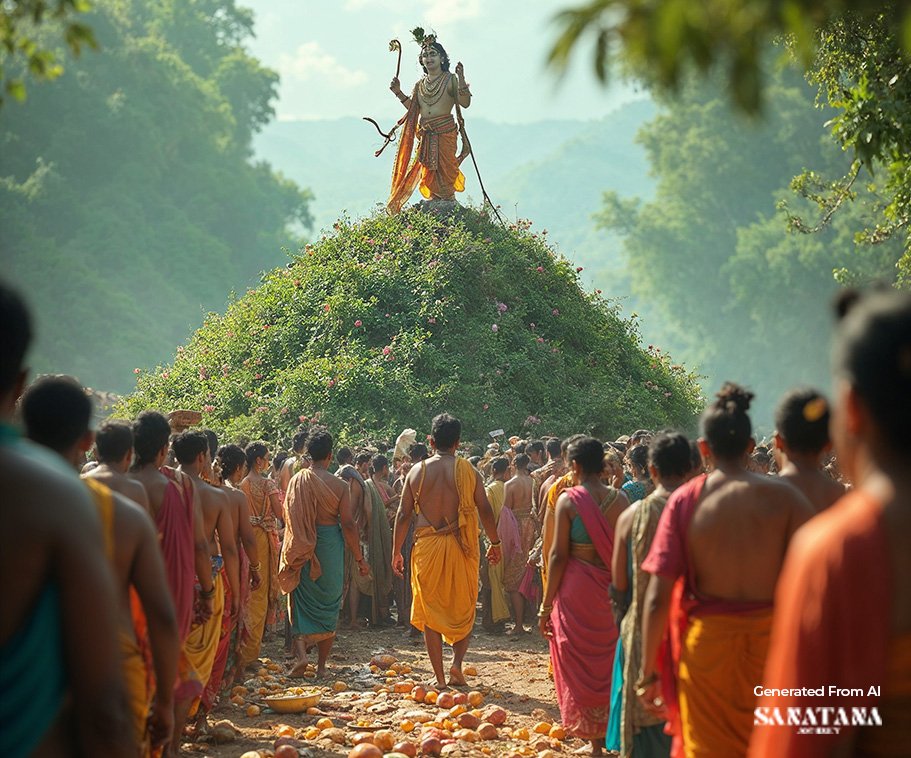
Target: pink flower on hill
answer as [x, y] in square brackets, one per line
[136, 371]
[358, 323]
[208, 408]
[502, 307]
[540, 269]
[387, 350]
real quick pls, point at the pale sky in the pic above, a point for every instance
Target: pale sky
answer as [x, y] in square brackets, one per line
[334, 60]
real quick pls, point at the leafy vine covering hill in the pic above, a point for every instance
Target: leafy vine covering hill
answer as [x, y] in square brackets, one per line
[391, 320]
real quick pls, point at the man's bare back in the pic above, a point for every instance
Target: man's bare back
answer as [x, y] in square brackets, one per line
[433, 488]
[120, 482]
[216, 514]
[819, 488]
[155, 484]
[336, 486]
[740, 532]
[518, 491]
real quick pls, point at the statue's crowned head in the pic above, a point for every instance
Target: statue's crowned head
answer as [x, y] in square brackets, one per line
[429, 41]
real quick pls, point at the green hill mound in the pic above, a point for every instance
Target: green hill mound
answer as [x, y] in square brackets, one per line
[391, 320]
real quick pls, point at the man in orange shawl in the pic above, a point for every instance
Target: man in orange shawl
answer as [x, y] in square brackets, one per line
[312, 566]
[429, 119]
[447, 496]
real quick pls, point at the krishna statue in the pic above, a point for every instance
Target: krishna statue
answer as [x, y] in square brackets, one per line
[434, 165]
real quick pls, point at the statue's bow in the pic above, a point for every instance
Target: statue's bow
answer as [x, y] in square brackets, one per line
[394, 46]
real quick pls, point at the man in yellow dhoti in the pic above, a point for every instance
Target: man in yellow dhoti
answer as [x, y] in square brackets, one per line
[447, 496]
[429, 119]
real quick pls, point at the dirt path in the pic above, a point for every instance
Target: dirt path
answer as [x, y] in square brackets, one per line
[510, 673]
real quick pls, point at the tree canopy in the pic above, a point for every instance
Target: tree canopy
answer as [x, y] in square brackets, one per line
[130, 201]
[710, 256]
[391, 320]
[22, 49]
[858, 53]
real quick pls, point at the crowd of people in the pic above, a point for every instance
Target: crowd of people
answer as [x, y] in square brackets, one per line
[704, 597]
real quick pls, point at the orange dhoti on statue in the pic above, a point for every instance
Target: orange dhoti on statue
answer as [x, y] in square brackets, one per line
[434, 164]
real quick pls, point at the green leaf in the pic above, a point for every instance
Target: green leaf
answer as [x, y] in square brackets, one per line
[15, 88]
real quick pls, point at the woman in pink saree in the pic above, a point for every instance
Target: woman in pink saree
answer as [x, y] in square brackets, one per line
[575, 614]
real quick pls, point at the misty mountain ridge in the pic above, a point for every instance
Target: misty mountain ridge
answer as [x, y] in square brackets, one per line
[551, 172]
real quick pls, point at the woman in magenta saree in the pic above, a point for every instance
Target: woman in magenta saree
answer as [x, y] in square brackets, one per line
[576, 614]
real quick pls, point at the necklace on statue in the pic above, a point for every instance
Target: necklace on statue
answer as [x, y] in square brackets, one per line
[431, 91]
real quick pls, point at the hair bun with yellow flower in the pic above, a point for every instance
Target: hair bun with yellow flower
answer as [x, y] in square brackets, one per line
[815, 409]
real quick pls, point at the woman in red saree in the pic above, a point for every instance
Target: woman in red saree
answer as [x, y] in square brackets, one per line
[576, 615]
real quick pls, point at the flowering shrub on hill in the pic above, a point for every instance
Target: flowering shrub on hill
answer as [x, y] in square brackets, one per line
[388, 321]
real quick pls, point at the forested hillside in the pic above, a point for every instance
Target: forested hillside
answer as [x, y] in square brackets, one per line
[388, 321]
[130, 200]
[727, 287]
